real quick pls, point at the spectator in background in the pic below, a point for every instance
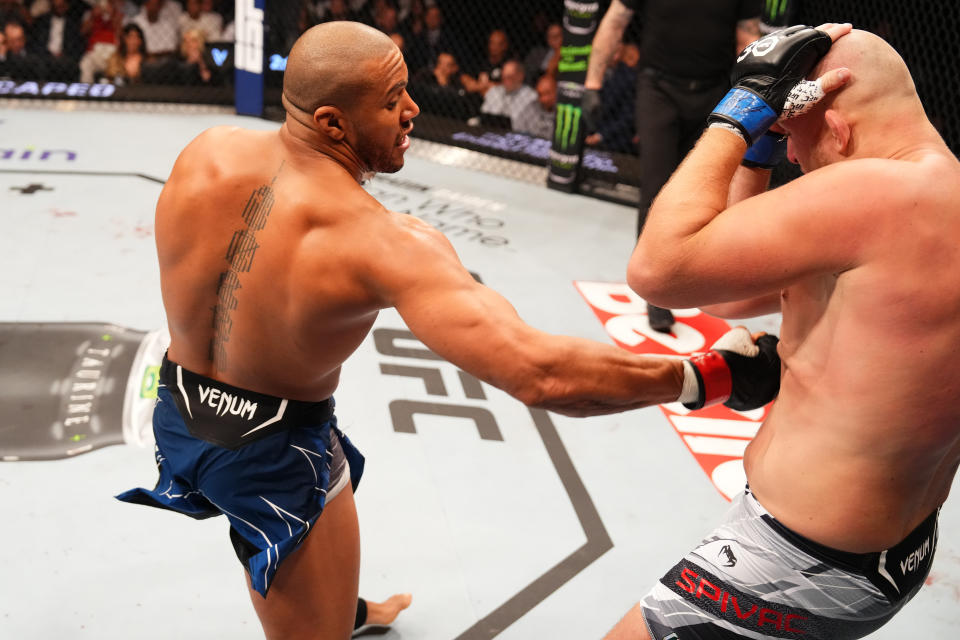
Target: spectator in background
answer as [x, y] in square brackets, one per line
[439, 90]
[412, 23]
[125, 64]
[337, 10]
[57, 35]
[489, 71]
[544, 58]
[385, 17]
[330, 10]
[159, 27]
[688, 48]
[14, 11]
[539, 118]
[434, 39]
[615, 129]
[37, 8]
[17, 62]
[445, 74]
[100, 27]
[511, 97]
[194, 65]
[170, 10]
[195, 16]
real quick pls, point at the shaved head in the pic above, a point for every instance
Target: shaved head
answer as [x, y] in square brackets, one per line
[881, 80]
[330, 65]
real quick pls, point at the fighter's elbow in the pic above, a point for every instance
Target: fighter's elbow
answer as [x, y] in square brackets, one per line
[648, 279]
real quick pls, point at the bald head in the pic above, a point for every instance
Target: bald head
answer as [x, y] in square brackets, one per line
[330, 63]
[880, 78]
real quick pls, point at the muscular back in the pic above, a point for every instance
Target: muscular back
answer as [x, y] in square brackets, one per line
[865, 438]
[259, 287]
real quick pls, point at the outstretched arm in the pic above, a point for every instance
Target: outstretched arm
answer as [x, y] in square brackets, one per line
[476, 329]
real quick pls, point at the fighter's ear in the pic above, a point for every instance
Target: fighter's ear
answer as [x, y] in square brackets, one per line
[330, 121]
[839, 131]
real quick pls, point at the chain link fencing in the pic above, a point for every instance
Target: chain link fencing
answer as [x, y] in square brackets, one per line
[483, 72]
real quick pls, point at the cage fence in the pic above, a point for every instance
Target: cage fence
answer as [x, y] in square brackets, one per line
[457, 52]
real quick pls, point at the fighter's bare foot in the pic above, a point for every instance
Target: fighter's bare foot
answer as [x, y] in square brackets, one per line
[383, 613]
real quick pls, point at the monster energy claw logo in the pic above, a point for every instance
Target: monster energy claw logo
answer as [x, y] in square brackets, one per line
[568, 125]
[775, 9]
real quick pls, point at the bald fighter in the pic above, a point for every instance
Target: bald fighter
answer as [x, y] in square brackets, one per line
[274, 263]
[838, 526]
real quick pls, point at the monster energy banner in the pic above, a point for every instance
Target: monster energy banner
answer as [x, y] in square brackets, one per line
[777, 14]
[579, 24]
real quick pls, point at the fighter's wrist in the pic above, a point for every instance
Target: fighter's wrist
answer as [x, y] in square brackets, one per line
[746, 110]
[726, 126]
[706, 380]
[767, 152]
[690, 392]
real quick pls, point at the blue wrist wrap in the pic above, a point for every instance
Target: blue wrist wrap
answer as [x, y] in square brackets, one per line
[766, 152]
[747, 111]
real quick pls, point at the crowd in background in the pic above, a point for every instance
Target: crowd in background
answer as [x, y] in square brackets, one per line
[500, 75]
[118, 41]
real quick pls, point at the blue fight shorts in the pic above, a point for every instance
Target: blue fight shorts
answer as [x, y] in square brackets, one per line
[264, 462]
[752, 577]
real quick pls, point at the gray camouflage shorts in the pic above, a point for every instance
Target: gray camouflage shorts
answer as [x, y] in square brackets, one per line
[754, 578]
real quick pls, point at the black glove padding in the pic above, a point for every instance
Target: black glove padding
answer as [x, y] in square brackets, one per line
[764, 74]
[756, 379]
[590, 106]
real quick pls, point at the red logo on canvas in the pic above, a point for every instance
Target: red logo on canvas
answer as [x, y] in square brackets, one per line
[716, 436]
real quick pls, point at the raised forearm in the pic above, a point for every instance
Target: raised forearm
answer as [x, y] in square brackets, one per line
[747, 182]
[747, 32]
[605, 41]
[695, 194]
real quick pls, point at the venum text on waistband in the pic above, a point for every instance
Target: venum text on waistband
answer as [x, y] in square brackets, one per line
[223, 403]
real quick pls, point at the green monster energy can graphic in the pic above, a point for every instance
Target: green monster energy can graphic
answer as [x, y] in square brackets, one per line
[568, 127]
[566, 150]
[774, 10]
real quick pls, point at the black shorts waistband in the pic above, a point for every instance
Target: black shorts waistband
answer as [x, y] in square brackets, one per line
[230, 416]
[897, 572]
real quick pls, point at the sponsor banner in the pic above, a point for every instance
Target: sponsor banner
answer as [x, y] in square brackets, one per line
[715, 436]
[101, 91]
[579, 24]
[40, 89]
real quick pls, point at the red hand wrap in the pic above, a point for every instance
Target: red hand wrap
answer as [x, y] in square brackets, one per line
[714, 376]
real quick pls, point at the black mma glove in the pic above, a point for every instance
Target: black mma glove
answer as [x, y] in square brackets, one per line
[590, 106]
[740, 374]
[765, 75]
